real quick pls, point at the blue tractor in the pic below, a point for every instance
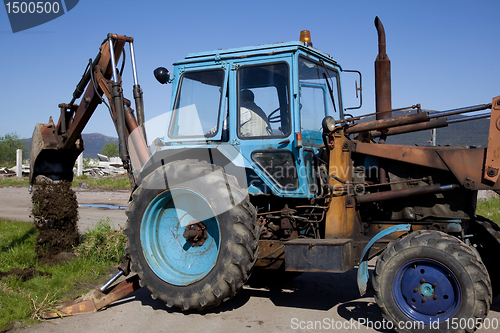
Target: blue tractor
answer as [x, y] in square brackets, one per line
[261, 168]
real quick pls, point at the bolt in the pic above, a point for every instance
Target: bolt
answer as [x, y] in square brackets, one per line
[422, 280]
[435, 297]
[492, 172]
[423, 300]
[434, 284]
[415, 290]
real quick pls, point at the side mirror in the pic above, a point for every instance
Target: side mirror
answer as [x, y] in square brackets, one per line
[162, 75]
[358, 89]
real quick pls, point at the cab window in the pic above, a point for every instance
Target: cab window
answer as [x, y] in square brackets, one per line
[318, 97]
[196, 109]
[263, 101]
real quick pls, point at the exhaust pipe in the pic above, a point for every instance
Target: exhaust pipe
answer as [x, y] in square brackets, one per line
[382, 76]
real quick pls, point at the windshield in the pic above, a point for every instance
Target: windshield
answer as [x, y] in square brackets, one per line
[319, 97]
[196, 110]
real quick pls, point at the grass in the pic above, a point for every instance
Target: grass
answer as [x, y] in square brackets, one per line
[13, 181]
[21, 301]
[121, 182]
[490, 209]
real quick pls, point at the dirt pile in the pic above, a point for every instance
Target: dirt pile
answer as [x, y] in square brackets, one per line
[24, 274]
[55, 210]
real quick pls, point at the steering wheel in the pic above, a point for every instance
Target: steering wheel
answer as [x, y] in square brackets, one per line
[274, 118]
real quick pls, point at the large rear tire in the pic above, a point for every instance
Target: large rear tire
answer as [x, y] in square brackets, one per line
[431, 278]
[175, 269]
[487, 241]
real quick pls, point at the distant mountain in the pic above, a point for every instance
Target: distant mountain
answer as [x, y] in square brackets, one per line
[93, 144]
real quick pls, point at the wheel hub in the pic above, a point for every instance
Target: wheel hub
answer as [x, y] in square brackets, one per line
[426, 289]
[195, 233]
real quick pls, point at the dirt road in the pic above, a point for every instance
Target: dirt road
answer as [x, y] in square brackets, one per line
[313, 302]
[15, 204]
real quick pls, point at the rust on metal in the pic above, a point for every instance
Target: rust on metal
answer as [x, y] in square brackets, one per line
[271, 254]
[389, 122]
[195, 233]
[404, 193]
[435, 123]
[341, 216]
[424, 156]
[57, 146]
[382, 75]
[492, 163]
[92, 302]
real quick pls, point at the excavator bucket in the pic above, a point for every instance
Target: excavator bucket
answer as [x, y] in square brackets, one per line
[48, 159]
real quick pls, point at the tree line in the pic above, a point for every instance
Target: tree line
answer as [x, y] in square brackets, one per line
[9, 143]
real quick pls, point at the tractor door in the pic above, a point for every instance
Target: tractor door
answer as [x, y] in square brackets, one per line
[319, 96]
[262, 125]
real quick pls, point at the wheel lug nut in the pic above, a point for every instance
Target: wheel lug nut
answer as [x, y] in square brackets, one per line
[415, 290]
[423, 300]
[422, 280]
[435, 297]
[434, 284]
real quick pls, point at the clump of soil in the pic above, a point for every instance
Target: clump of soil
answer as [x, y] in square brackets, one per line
[55, 210]
[24, 274]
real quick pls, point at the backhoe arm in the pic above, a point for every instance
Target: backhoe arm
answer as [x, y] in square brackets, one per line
[55, 147]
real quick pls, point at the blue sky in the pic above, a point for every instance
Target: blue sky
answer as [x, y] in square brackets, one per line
[444, 54]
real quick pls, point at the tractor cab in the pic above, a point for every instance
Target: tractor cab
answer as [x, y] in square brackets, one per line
[266, 102]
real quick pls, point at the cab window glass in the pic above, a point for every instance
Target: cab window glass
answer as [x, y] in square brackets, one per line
[196, 111]
[263, 101]
[318, 97]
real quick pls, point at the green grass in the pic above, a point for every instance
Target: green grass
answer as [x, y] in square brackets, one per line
[21, 301]
[121, 182]
[13, 181]
[490, 209]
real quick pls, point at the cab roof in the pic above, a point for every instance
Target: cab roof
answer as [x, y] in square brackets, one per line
[259, 50]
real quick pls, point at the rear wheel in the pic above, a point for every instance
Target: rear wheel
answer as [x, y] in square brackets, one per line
[431, 278]
[192, 234]
[487, 242]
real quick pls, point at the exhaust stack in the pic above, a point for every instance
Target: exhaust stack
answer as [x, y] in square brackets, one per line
[382, 75]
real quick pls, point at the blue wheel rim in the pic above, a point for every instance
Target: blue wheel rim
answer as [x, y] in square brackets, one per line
[166, 250]
[426, 291]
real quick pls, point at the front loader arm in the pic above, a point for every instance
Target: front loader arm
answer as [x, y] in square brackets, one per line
[474, 168]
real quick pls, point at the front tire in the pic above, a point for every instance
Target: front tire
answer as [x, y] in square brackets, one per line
[175, 269]
[431, 278]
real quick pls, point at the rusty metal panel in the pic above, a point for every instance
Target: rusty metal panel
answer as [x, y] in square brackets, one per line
[424, 156]
[468, 166]
[319, 255]
[92, 302]
[492, 163]
[271, 254]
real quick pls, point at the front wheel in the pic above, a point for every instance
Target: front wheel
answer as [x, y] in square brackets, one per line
[192, 234]
[428, 280]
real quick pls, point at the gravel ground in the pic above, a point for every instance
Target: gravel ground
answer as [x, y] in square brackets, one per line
[325, 301]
